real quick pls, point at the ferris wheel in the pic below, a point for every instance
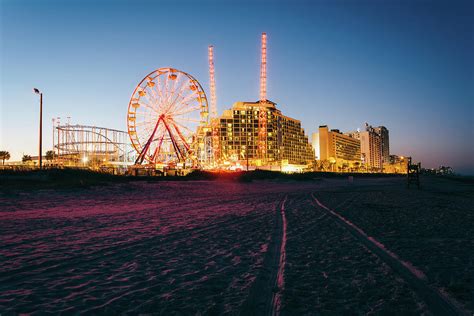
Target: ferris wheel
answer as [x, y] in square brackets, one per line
[166, 114]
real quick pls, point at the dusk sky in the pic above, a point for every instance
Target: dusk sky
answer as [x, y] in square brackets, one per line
[406, 65]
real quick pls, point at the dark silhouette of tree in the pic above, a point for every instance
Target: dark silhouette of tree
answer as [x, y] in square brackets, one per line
[4, 155]
[356, 165]
[26, 158]
[49, 155]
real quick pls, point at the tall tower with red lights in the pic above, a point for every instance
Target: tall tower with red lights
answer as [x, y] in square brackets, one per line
[262, 116]
[214, 118]
[212, 82]
[263, 69]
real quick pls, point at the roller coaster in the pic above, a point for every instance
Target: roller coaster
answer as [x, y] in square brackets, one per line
[92, 146]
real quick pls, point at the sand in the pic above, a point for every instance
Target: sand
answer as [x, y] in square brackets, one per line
[432, 228]
[218, 247]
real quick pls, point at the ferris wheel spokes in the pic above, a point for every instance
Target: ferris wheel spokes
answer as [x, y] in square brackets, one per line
[165, 118]
[144, 151]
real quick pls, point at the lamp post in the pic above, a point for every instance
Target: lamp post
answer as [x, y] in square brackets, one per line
[58, 119]
[54, 120]
[247, 141]
[40, 157]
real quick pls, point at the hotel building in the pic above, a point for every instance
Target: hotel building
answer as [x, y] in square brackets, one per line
[370, 146]
[383, 133]
[335, 147]
[286, 142]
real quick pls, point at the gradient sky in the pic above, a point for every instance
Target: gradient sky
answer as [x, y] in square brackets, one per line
[406, 65]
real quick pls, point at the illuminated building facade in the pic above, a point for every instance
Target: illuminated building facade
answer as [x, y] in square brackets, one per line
[315, 144]
[396, 164]
[341, 151]
[285, 141]
[383, 133]
[370, 146]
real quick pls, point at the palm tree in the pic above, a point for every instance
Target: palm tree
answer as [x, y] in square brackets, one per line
[49, 155]
[4, 155]
[325, 165]
[345, 166]
[356, 165]
[26, 158]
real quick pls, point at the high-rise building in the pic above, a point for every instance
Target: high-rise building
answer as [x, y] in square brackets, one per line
[334, 146]
[285, 140]
[370, 146]
[383, 133]
[315, 144]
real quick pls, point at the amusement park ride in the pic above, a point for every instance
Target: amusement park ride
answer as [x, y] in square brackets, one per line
[81, 145]
[168, 119]
[170, 124]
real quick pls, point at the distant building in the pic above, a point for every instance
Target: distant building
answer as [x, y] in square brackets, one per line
[383, 133]
[370, 146]
[315, 145]
[395, 159]
[339, 149]
[286, 142]
[396, 164]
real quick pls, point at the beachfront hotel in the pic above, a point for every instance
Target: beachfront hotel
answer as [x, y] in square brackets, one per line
[370, 146]
[340, 150]
[286, 144]
[383, 133]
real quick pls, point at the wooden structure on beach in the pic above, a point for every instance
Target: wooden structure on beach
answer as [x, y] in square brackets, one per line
[413, 173]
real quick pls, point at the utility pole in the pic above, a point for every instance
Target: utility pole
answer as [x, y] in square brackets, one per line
[53, 139]
[68, 122]
[59, 140]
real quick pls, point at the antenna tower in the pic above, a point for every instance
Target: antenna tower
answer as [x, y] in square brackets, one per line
[212, 82]
[214, 118]
[262, 116]
[263, 69]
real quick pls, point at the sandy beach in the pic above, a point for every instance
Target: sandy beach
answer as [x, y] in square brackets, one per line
[223, 247]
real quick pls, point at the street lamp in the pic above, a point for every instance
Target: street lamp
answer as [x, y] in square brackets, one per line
[85, 159]
[58, 119]
[40, 157]
[54, 120]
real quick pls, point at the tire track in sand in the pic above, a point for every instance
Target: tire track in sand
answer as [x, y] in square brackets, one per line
[280, 279]
[438, 303]
[265, 295]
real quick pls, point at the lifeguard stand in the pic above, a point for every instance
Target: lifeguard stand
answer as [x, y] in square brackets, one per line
[413, 173]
